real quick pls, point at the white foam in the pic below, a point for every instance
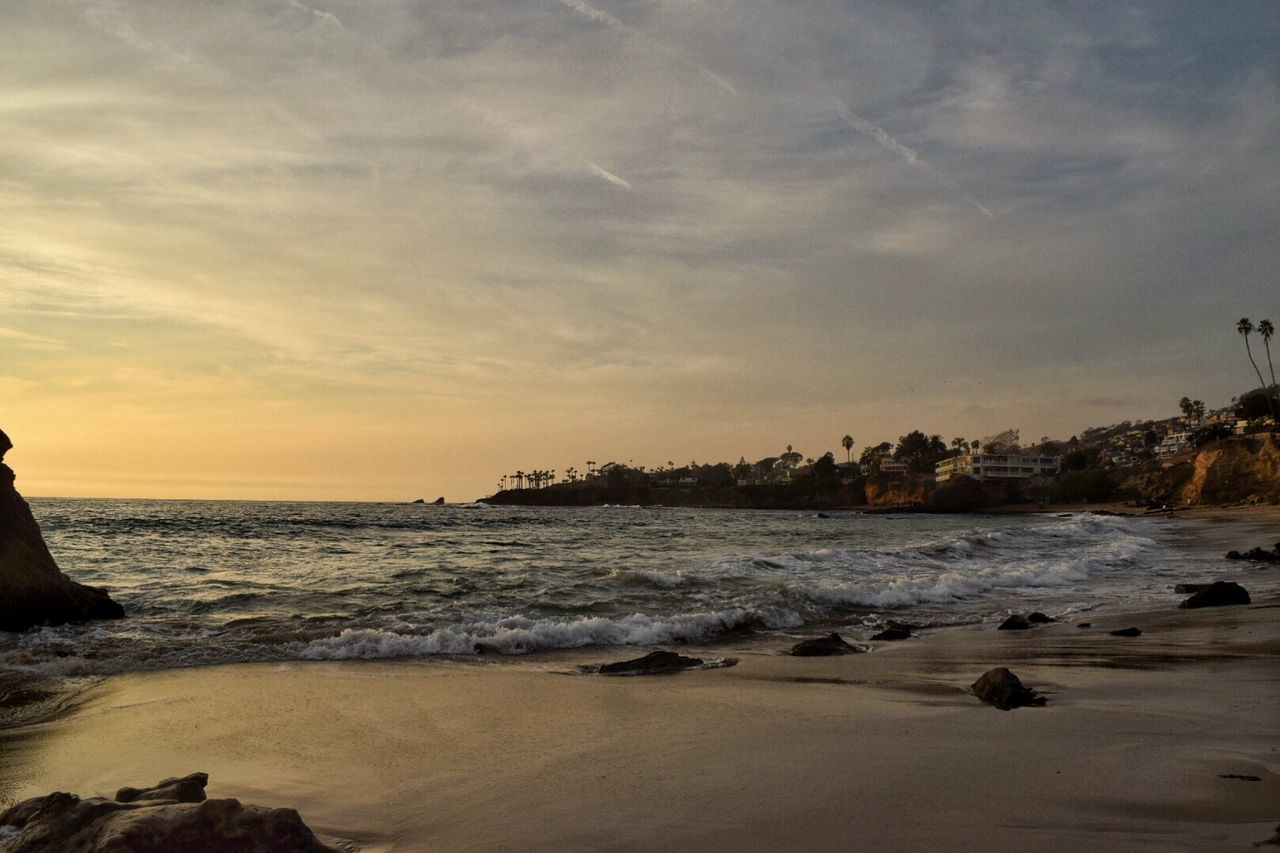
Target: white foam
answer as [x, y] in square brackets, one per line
[520, 635]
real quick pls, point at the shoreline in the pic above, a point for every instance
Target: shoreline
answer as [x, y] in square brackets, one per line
[867, 751]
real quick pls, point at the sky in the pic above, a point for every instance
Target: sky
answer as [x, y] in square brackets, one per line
[389, 249]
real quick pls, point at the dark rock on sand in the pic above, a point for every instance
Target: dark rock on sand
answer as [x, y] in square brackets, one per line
[33, 590]
[1218, 594]
[1003, 689]
[1234, 555]
[1016, 622]
[1188, 588]
[1085, 625]
[1243, 777]
[1039, 618]
[188, 789]
[64, 822]
[832, 644]
[893, 632]
[652, 663]
[1127, 632]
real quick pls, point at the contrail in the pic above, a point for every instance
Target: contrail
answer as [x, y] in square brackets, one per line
[609, 176]
[327, 17]
[886, 141]
[582, 8]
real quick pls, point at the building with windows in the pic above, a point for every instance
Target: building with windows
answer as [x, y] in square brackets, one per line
[1173, 444]
[997, 466]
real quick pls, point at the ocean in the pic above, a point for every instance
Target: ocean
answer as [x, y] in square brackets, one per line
[221, 582]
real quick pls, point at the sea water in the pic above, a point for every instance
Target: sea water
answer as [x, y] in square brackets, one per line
[220, 582]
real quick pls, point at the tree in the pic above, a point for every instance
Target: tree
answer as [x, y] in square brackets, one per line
[1187, 410]
[1244, 327]
[824, 469]
[1266, 330]
[871, 456]
[847, 444]
[1002, 442]
[1198, 409]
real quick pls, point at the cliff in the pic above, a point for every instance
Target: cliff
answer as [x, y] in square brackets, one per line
[33, 590]
[1245, 468]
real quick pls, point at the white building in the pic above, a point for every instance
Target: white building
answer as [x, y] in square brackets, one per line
[997, 466]
[1173, 444]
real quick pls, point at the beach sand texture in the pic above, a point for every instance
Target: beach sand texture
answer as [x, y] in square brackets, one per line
[880, 751]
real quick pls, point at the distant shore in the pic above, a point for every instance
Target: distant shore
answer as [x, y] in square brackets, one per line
[1147, 743]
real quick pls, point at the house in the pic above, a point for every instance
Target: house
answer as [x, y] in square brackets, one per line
[1173, 444]
[997, 466]
[892, 466]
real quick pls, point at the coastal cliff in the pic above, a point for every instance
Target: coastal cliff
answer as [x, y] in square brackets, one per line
[33, 590]
[1239, 469]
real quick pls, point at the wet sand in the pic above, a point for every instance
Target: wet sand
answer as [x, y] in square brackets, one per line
[879, 751]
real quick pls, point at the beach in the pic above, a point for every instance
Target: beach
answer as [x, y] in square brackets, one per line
[1139, 747]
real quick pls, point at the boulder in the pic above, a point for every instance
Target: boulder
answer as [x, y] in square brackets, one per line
[1005, 690]
[438, 501]
[1038, 618]
[1127, 632]
[1016, 622]
[961, 493]
[33, 590]
[63, 822]
[1234, 555]
[832, 644]
[188, 789]
[893, 632]
[651, 664]
[1218, 594]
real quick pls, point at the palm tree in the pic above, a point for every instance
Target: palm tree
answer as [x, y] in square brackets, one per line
[847, 444]
[1244, 327]
[1266, 330]
[1185, 405]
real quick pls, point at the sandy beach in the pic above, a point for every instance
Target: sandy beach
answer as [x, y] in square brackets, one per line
[885, 750]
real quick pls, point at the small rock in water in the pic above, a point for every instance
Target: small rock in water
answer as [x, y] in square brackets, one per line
[650, 664]
[1016, 622]
[832, 644]
[1039, 618]
[1005, 690]
[893, 632]
[1218, 594]
[1234, 555]
[1127, 632]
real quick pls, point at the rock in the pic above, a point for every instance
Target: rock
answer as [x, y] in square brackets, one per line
[1260, 555]
[1039, 618]
[1085, 625]
[832, 644]
[188, 789]
[1003, 689]
[64, 822]
[1016, 622]
[961, 493]
[1127, 632]
[650, 664]
[1188, 588]
[1234, 555]
[33, 590]
[438, 501]
[893, 632]
[1218, 594]
[5, 445]
[420, 501]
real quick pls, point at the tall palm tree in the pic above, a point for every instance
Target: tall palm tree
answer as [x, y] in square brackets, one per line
[1266, 330]
[1244, 327]
[847, 444]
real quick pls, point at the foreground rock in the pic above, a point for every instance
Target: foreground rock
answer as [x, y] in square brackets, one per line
[1003, 689]
[893, 632]
[33, 591]
[1259, 555]
[832, 644]
[1016, 622]
[1127, 632]
[148, 824]
[651, 664]
[1218, 594]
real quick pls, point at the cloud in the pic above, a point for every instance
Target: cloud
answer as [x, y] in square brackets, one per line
[320, 14]
[583, 8]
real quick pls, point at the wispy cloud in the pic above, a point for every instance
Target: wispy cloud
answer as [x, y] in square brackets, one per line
[326, 17]
[609, 176]
[584, 8]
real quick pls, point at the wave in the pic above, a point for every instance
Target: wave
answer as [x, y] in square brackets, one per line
[517, 635]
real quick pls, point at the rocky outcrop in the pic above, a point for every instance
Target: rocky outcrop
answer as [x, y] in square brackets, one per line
[832, 644]
[960, 494]
[33, 591]
[1244, 468]
[1218, 594]
[893, 632]
[151, 823]
[1016, 622]
[1005, 690]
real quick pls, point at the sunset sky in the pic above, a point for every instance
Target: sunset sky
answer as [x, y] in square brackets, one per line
[381, 249]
